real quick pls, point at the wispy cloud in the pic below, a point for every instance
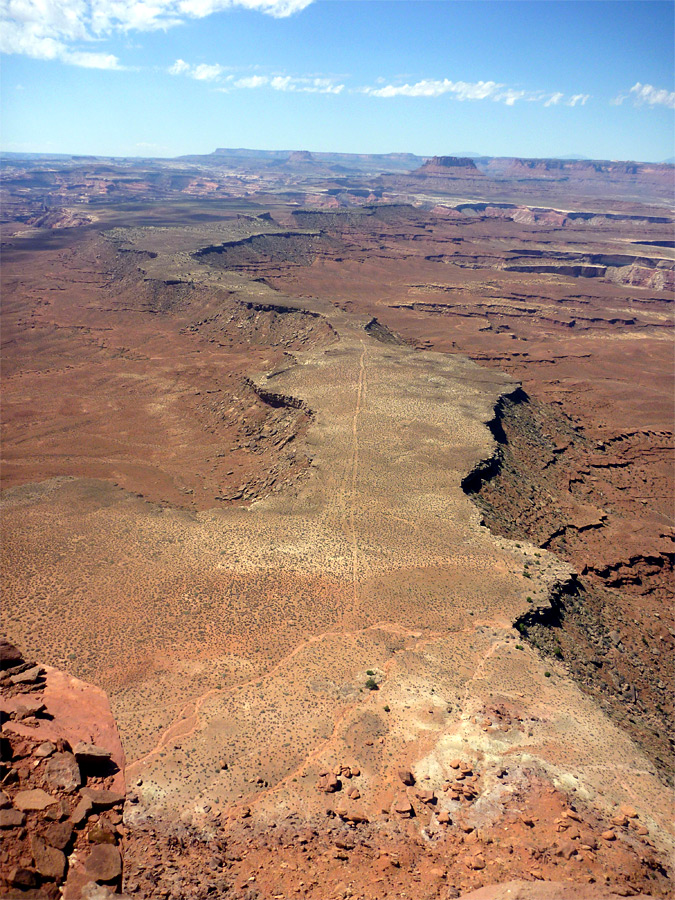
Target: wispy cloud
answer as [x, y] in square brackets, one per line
[201, 72]
[288, 83]
[57, 29]
[559, 99]
[468, 90]
[463, 90]
[646, 95]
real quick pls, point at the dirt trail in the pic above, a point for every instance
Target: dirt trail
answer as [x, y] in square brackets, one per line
[186, 722]
[360, 397]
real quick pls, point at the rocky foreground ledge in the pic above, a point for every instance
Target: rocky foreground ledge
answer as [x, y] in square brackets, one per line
[61, 817]
[63, 787]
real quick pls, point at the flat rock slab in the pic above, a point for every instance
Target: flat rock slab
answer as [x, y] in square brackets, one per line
[91, 754]
[101, 799]
[36, 799]
[30, 676]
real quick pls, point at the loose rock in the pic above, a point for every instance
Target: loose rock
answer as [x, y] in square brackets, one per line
[403, 807]
[9, 654]
[59, 835]
[81, 811]
[49, 862]
[11, 818]
[104, 863]
[62, 773]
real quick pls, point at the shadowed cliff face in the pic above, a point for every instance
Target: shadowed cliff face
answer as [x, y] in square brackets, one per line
[524, 494]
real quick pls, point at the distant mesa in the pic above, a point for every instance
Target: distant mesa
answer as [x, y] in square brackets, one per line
[301, 156]
[578, 169]
[449, 166]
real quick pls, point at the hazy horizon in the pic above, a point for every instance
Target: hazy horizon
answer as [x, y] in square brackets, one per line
[470, 154]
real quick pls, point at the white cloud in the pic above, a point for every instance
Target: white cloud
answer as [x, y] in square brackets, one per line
[305, 85]
[252, 81]
[647, 94]
[510, 96]
[463, 90]
[180, 67]
[467, 90]
[204, 72]
[198, 9]
[48, 29]
[42, 39]
[289, 83]
[91, 60]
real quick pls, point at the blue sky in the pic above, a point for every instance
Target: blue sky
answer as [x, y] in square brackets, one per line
[169, 77]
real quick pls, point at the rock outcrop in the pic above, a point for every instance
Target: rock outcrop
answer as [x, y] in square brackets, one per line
[63, 784]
